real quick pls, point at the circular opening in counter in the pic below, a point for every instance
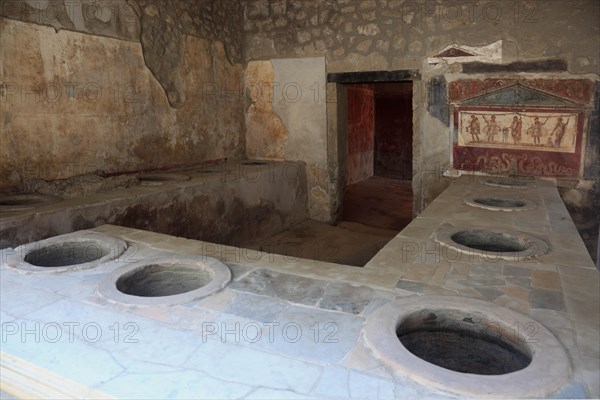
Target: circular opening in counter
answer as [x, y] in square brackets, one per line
[460, 342]
[156, 280]
[159, 179]
[20, 202]
[468, 347]
[67, 253]
[490, 241]
[500, 204]
[166, 281]
[516, 182]
[510, 245]
[70, 252]
[494, 202]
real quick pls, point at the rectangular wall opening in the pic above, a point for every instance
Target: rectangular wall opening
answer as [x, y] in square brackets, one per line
[378, 190]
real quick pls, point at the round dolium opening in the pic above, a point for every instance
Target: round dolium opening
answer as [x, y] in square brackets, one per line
[490, 241]
[157, 280]
[463, 342]
[67, 253]
[494, 202]
[506, 182]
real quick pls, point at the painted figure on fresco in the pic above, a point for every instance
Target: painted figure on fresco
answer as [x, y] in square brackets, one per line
[536, 129]
[491, 128]
[474, 128]
[559, 131]
[515, 128]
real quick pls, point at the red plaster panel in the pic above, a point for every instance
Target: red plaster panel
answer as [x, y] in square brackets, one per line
[361, 121]
[361, 132]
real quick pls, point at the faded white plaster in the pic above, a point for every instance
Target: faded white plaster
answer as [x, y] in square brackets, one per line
[298, 99]
[491, 53]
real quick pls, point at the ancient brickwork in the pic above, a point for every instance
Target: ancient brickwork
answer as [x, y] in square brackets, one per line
[399, 34]
[338, 27]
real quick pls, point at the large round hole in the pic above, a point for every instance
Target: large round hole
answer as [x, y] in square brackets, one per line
[70, 252]
[163, 279]
[494, 202]
[470, 347]
[499, 204]
[170, 280]
[67, 253]
[463, 343]
[489, 241]
[507, 182]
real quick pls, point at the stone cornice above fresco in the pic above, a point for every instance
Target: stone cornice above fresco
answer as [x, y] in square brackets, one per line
[518, 96]
[580, 91]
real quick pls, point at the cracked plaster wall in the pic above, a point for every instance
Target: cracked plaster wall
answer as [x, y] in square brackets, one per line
[74, 103]
[160, 26]
[164, 25]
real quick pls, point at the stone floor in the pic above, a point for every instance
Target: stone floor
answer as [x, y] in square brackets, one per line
[347, 243]
[380, 202]
[375, 210]
[290, 327]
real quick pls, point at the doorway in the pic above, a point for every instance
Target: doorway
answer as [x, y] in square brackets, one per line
[379, 181]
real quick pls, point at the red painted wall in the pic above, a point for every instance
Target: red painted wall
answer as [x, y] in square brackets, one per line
[361, 132]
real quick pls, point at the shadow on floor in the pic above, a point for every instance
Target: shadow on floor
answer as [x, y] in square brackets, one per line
[375, 210]
[346, 243]
[380, 202]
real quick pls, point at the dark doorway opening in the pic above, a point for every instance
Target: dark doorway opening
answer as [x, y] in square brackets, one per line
[393, 130]
[379, 181]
